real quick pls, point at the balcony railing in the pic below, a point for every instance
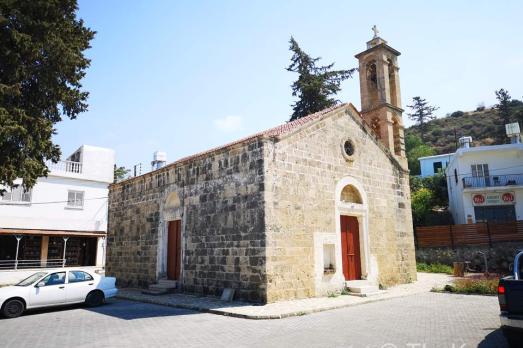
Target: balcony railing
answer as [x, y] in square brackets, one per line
[24, 264]
[493, 180]
[66, 166]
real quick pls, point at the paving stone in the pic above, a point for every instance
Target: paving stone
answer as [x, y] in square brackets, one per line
[423, 320]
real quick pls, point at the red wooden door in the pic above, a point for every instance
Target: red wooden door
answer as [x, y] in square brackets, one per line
[174, 250]
[350, 247]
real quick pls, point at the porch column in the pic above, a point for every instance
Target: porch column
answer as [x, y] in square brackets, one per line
[100, 252]
[18, 238]
[44, 247]
[65, 247]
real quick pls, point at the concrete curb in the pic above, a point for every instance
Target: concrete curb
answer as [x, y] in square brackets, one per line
[254, 316]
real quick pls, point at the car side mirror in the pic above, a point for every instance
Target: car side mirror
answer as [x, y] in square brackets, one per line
[40, 284]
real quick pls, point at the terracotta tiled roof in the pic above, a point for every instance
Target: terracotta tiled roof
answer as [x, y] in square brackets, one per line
[290, 126]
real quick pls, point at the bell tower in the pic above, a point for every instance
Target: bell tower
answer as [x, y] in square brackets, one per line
[380, 94]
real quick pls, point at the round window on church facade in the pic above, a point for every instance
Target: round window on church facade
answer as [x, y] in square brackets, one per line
[348, 149]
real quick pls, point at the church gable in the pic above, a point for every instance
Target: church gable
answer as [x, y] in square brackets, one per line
[303, 169]
[347, 112]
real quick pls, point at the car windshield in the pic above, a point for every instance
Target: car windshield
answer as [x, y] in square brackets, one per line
[31, 279]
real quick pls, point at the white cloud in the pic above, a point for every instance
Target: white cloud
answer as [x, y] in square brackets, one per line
[229, 123]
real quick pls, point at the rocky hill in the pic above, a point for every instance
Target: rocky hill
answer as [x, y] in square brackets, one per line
[484, 126]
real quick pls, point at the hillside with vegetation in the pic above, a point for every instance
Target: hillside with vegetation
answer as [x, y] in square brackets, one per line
[484, 125]
[432, 136]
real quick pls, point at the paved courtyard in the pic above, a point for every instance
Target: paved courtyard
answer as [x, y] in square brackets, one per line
[433, 319]
[283, 309]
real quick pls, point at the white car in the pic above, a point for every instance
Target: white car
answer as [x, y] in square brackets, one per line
[55, 288]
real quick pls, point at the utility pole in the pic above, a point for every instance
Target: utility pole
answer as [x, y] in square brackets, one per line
[455, 140]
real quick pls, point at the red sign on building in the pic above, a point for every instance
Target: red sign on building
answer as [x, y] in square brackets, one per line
[478, 199]
[507, 197]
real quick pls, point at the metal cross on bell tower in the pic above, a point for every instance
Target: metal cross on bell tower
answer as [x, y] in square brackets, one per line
[375, 30]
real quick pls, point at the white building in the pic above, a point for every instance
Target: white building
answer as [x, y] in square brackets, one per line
[63, 218]
[431, 165]
[485, 183]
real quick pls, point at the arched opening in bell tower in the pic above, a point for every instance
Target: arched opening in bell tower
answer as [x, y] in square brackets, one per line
[376, 127]
[372, 82]
[392, 83]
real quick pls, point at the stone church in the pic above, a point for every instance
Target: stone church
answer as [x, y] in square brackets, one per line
[299, 210]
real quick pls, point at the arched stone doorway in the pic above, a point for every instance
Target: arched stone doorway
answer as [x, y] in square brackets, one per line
[171, 246]
[353, 252]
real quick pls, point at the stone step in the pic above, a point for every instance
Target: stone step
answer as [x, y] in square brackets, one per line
[362, 288]
[155, 292]
[167, 283]
[166, 287]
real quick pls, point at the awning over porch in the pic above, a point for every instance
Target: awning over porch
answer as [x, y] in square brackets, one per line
[35, 248]
[38, 232]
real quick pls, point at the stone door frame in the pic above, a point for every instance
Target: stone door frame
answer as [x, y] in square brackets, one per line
[172, 210]
[359, 211]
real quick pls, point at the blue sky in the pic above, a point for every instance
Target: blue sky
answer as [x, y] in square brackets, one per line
[184, 76]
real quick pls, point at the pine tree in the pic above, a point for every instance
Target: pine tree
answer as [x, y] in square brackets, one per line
[421, 113]
[316, 85]
[41, 66]
[120, 173]
[503, 105]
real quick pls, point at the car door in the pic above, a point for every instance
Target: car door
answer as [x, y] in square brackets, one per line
[79, 284]
[49, 291]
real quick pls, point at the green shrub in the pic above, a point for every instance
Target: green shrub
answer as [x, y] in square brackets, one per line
[421, 203]
[482, 286]
[437, 132]
[457, 114]
[433, 268]
[415, 149]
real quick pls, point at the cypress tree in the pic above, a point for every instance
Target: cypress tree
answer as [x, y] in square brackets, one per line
[316, 86]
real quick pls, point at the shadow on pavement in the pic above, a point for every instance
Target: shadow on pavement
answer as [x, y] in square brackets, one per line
[39, 311]
[494, 339]
[129, 310]
[122, 309]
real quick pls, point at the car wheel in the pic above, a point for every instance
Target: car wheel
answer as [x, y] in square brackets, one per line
[95, 298]
[514, 338]
[13, 308]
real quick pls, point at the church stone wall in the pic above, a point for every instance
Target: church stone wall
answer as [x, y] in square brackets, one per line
[302, 172]
[223, 226]
[132, 234]
[252, 213]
